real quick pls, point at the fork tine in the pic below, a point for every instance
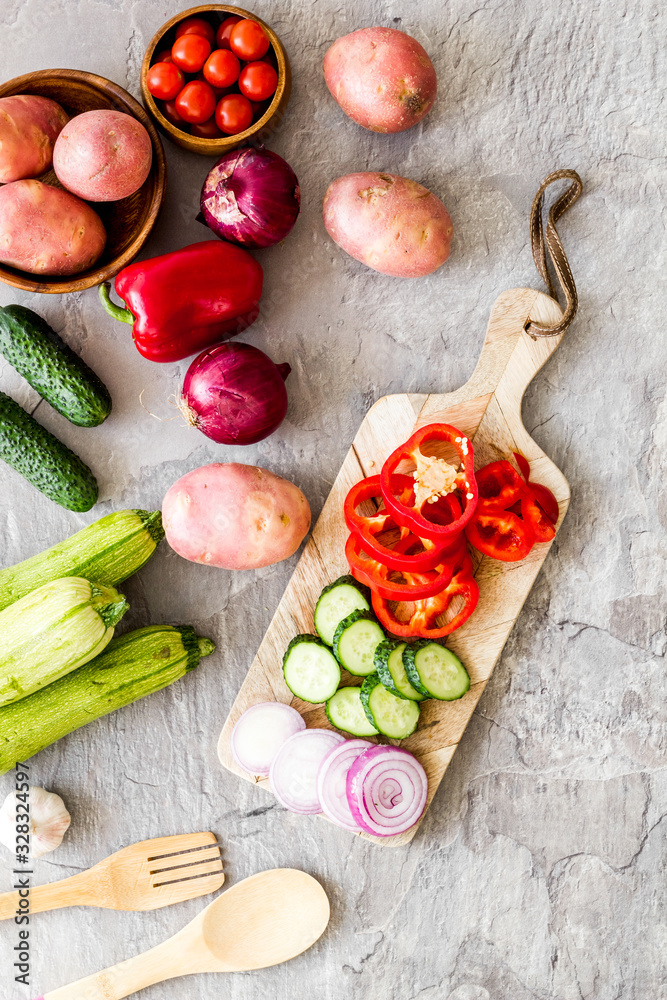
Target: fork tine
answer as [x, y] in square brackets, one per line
[185, 874]
[186, 860]
[161, 847]
[177, 892]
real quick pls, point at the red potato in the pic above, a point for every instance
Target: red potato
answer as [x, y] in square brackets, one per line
[44, 230]
[103, 155]
[389, 223]
[382, 78]
[235, 516]
[29, 127]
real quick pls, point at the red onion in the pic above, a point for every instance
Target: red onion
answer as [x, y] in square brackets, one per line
[251, 196]
[332, 782]
[294, 768]
[260, 732]
[235, 394]
[386, 789]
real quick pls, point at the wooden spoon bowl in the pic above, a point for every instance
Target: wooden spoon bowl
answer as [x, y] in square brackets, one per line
[128, 222]
[263, 920]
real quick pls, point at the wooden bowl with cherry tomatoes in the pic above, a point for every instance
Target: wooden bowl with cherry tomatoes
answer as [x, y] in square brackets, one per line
[214, 77]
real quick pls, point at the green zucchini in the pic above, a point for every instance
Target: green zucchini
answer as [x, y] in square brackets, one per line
[393, 717]
[53, 630]
[391, 670]
[435, 670]
[44, 460]
[107, 551]
[345, 711]
[336, 602]
[310, 669]
[52, 368]
[132, 666]
[355, 640]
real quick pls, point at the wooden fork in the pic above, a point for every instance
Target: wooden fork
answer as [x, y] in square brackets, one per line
[143, 876]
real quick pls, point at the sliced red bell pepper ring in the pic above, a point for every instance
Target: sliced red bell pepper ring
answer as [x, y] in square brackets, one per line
[500, 534]
[462, 484]
[377, 575]
[422, 622]
[367, 527]
[542, 494]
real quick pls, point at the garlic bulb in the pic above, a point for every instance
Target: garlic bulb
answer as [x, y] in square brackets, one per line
[49, 821]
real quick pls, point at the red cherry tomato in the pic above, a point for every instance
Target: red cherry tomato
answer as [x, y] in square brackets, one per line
[171, 114]
[207, 130]
[258, 81]
[224, 31]
[164, 56]
[190, 52]
[196, 102]
[164, 80]
[248, 40]
[233, 114]
[258, 108]
[218, 91]
[196, 26]
[222, 68]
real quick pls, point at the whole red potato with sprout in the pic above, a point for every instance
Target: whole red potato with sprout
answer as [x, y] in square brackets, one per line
[382, 78]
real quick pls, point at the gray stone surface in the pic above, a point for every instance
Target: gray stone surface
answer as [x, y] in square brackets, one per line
[540, 869]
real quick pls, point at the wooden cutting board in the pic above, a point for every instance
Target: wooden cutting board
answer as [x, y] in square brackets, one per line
[488, 409]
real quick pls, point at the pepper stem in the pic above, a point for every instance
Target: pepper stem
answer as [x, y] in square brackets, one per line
[124, 315]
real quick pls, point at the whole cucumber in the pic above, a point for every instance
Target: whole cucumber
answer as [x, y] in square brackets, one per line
[52, 368]
[44, 460]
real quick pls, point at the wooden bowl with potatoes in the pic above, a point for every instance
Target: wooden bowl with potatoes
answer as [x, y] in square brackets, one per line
[29, 207]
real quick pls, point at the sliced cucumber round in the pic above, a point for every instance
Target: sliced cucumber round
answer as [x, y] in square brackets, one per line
[310, 669]
[336, 602]
[391, 671]
[435, 670]
[391, 716]
[355, 641]
[345, 711]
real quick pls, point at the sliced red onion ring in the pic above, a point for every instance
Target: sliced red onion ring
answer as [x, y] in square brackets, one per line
[332, 782]
[386, 789]
[260, 732]
[293, 773]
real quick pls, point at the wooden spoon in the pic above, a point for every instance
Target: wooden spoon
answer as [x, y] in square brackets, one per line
[264, 920]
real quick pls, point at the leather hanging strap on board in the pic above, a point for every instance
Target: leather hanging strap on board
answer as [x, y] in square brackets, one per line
[548, 240]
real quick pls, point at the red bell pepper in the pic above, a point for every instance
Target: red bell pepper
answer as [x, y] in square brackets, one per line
[500, 534]
[433, 479]
[499, 484]
[541, 494]
[534, 516]
[181, 302]
[512, 513]
[422, 621]
[381, 579]
[367, 527]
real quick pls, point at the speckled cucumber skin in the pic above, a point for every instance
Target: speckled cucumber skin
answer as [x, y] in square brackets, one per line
[58, 374]
[44, 460]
